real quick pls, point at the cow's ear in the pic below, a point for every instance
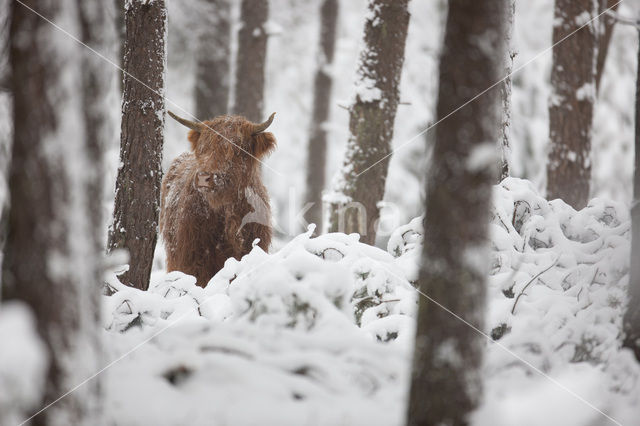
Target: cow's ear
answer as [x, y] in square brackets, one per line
[193, 137]
[263, 144]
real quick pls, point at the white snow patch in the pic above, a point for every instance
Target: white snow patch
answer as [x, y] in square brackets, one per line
[481, 157]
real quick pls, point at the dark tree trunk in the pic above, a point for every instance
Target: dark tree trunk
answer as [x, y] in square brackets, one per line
[137, 201]
[631, 322]
[364, 173]
[445, 385]
[212, 67]
[571, 106]
[317, 150]
[5, 135]
[5, 77]
[51, 257]
[95, 28]
[504, 168]
[606, 24]
[251, 59]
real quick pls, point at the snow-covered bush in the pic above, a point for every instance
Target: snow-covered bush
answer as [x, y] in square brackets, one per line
[325, 282]
[298, 330]
[322, 329]
[559, 276]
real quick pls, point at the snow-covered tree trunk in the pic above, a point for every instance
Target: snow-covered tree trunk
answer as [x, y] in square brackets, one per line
[250, 60]
[573, 81]
[213, 60]
[317, 149]
[137, 200]
[359, 186]
[51, 256]
[631, 322]
[445, 385]
[606, 24]
[505, 92]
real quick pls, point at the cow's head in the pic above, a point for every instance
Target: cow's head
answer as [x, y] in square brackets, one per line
[228, 150]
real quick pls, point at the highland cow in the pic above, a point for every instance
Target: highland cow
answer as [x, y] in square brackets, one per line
[214, 205]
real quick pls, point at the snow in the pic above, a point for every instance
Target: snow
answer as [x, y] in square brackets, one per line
[23, 363]
[583, 18]
[298, 336]
[586, 92]
[481, 157]
[321, 331]
[366, 91]
[287, 334]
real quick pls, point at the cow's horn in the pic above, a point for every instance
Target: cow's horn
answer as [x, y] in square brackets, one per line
[258, 128]
[190, 124]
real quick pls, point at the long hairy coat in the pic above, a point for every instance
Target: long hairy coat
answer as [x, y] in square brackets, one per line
[214, 205]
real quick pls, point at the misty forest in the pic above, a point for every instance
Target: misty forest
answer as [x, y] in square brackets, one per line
[320, 212]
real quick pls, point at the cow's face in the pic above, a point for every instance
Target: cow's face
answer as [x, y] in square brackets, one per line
[228, 150]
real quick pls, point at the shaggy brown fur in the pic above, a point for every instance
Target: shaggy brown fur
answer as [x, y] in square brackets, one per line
[214, 204]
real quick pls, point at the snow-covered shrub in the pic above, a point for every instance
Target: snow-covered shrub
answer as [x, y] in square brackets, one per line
[323, 328]
[329, 281]
[558, 281]
[319, 329]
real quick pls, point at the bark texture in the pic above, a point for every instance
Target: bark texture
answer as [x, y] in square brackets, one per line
[573, 81]
[446, 385]
[505, 93]
[631, 320]
[137, 201]
[317, 150]
[213, 61]
[371, 116]
[51, 257]
[251, 59]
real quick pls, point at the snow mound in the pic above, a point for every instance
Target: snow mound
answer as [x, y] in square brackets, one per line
[324, 322]
[321, 332]
[559, 276]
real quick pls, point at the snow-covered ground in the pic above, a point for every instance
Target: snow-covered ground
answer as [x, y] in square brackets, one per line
[320, 332]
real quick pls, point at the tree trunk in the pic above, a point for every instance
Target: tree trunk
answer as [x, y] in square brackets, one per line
[606, 31]
[504, 169]
[137, 201]
[51, 257]
[317, 149]
[212, 67]
[97, 31]
[631, 321]
[5, 125]
[571, 106]
[251, 59]
[446, 386]
[371, 115]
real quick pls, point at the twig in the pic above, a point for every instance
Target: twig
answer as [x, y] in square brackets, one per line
[593, 280]
[624, 20]
[530, 281]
